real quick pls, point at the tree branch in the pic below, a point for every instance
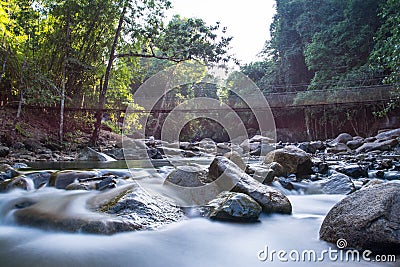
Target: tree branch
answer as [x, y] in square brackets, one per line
[153, 55]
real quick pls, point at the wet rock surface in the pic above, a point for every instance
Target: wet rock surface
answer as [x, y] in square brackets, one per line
[367, 219]
[292, 159]
[270, 199]
[231, 206]
[127, 208]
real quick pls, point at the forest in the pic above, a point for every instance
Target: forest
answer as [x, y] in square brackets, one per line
[93, 55]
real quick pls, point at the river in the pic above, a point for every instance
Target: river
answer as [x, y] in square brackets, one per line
[194, 242]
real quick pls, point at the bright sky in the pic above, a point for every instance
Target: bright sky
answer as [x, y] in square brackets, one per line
[247, 21]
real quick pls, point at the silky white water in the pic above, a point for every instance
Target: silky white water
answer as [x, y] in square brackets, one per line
[194, 242]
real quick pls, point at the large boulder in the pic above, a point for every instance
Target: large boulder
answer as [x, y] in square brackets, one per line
[122, 209]
[270, 199]
[233, 206]
[292, 159]
[367, 219]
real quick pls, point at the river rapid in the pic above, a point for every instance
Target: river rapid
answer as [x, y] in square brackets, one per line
[193, 242]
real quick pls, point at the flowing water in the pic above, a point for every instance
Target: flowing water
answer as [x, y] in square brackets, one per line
[194, 242]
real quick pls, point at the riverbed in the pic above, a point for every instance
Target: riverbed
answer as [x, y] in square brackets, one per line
[193, 242]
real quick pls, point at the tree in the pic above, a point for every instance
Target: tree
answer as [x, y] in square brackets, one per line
[180, 40]
[387, 42]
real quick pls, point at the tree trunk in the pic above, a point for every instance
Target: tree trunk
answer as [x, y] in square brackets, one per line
[104, 87]
[3, 69]
[21, 99]
[64, 81]
[307, 120]
[21, 91]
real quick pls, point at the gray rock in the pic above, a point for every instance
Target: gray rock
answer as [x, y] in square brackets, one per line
[62, 179]
[233, 206]
[265, 173]
[392, 175]
[236, 158]
[292, 159]
[338, 148]
[21, 182]
[337, 183]
[370, 139]
[354, 170]
[116, 153]
[262, 150]
[261, 173]
[377, 145]
[39, 178]
[388, 134]
[356, 143]
[154, 153]
[187, 176]
[311, 147]
[277, 168]
[7, 172]
[342, 138]
[89, 154]
[367, 219]
[270, 199]
[4, 151]
[77, 186]
[122, 209]
[376, 174]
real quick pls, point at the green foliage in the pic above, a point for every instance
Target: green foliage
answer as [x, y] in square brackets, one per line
[387, 49]
[20, 128]
[325, 44]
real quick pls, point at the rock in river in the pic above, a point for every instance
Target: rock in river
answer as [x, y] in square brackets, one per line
[89, 154]
[7, 172]
[380, 145]
[62, 179]
[337, 183]
[187, 176]
[233, 206]
[293, 160]
[270, 199]
[342, 138]
[122, 209]
[367, 219]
